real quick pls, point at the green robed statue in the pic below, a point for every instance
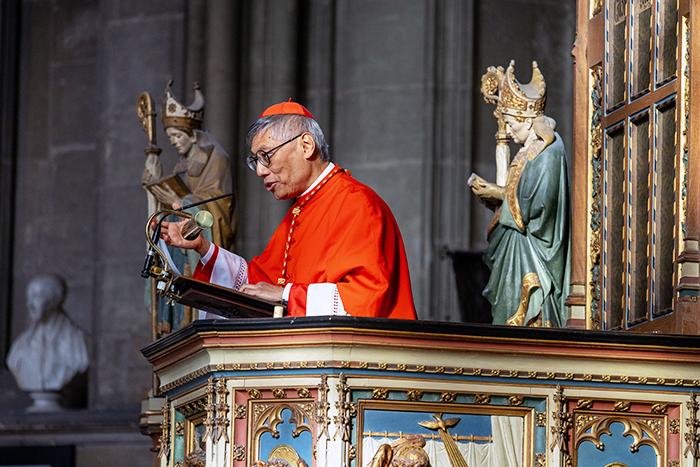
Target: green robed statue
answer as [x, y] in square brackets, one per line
[529, 237]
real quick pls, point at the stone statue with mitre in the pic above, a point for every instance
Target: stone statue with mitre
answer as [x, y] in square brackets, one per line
[529, 237]
[202, 171]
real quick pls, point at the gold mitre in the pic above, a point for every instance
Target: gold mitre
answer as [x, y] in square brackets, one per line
[511, 97]
[176, 114]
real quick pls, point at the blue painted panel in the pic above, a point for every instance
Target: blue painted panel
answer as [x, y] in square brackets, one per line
[302, 444]
[617, 449]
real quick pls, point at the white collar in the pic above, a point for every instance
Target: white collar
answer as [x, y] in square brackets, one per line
[318, 180]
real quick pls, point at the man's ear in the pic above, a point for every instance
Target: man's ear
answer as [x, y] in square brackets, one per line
[308, 145]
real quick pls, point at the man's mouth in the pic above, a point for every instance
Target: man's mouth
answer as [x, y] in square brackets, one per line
[270, 185]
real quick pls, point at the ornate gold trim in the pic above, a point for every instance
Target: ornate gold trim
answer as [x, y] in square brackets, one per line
[322, 407]
[346, 410]
[562, 421]
[221, 420]
[693, 423]
[164, 439]
[643, 431]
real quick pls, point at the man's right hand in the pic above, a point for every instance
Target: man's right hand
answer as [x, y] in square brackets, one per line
[171, 235]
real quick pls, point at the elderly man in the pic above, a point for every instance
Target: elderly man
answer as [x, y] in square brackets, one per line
[338, 250]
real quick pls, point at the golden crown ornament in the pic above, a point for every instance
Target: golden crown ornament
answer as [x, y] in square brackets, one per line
[512, 97]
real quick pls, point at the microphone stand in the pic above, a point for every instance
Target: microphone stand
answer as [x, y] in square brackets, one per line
[150, 256]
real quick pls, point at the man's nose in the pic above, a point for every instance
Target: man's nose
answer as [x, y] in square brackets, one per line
[261, 170]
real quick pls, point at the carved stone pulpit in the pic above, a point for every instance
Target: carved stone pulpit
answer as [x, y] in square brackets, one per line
[345, 391]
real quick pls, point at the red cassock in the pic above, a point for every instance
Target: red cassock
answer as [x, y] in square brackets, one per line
[345, 235]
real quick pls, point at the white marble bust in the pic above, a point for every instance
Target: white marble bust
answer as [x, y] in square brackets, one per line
[52, 350]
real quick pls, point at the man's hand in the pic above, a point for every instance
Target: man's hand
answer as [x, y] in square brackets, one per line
[166, 195]
[171, 235]
[264, 290]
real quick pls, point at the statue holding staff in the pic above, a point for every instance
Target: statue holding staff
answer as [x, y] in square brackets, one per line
[529, 236]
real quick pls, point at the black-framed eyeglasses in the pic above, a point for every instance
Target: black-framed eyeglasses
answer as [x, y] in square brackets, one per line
[264, 156]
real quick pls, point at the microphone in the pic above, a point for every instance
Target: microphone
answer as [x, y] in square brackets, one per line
[151, 255]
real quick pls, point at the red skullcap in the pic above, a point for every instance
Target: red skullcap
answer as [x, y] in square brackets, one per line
[287, 108]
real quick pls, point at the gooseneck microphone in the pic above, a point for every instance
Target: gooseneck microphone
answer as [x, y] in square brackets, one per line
[151, 255]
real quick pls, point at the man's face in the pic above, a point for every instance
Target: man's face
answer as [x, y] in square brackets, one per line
[181, 140]
[519, 131]
[288, 173]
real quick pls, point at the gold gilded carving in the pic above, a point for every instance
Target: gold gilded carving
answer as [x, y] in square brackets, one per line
[568, 460]
[320, 364]
[440, 369]
[402, 367]
[270, 365]
[624, 379]
[551, 375]
[220, 367]
[674, 426]
[259, 409]
[322, 407]
[584, 404]
[380, 394]
[222, 422]
[209, 407]
[659, 408]
[179, 428]
[541, 419]
[238, 453]
[606, 378]
[641, 431]
[513, 373]
[241, 412]
[279, 393]
[477, 372]
[459, 371]
[254, 394]
[344, 364]
[442, 426]
[236, 366]
[448, 397]
[569, 376]
[495, 372]
[303, 393]
[414, 395]
[679, 382]
[516, 400]
[582, 420]
[482, 399]
[353, 452]
[363, 365]
[587, 377]
[286, 453]
[643, 380]
[530, 281]
[532, 374]
[540, 459]
[562, 421]
[381, 366]
[303, 364]
[287, 365]
[674, 463]
[661, 381]
[346, 410]
[179, 464]
[253, 366]
[691, 437]
[420, 368]
[622, 406]
[271, 417]
[696, 382]
[164, 439]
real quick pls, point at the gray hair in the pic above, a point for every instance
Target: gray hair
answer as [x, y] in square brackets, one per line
[287, 126]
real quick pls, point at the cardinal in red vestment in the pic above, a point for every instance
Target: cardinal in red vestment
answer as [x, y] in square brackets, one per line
[338, 251]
